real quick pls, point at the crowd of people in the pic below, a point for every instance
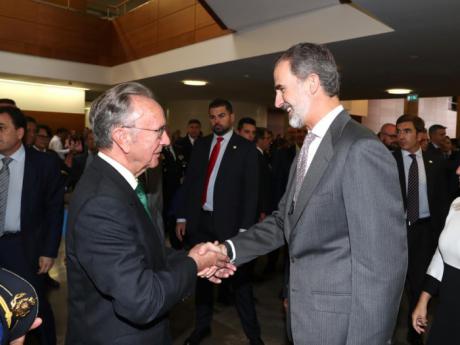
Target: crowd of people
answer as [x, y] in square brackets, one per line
[359, 220]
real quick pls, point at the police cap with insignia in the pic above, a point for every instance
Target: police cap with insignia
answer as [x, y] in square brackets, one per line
[18, 306]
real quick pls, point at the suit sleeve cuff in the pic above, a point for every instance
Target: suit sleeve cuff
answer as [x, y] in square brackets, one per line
[231, 253]
[431, 285]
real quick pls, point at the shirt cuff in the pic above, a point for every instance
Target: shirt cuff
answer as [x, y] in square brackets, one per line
[242, 230]
[181, 220]
[232, 249]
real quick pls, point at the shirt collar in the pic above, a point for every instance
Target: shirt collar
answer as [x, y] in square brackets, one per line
[323, 125]
[260, 150]
[18, 156]
[128, 175]
[226, 136]
[418, 153]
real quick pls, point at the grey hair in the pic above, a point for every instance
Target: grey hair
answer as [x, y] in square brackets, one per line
[307, 58]
[112, 109]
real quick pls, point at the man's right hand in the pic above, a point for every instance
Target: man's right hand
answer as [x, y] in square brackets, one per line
[209, 260]
[180, 230]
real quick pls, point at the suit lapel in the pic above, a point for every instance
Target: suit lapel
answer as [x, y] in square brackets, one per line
[316, 170]
[28, 183]
[230, 151]
[147, 223]
[317, 167]
[402, 175]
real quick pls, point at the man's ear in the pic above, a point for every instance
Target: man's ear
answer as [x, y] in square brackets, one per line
[20, 133]
[313, 83]
[122, 138]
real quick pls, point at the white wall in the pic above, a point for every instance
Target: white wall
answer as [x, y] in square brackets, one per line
[431, 110]
[382, 111]
[41, 97]
[178, 113]
[436, 111]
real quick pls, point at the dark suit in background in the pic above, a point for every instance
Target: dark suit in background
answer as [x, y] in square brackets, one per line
[119, 272]
[281, 164]
[234, 207]
[173, 173]
[184, 146]
[422, 235]
[42, 203]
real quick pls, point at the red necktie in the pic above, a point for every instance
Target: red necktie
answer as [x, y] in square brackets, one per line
[212, 162]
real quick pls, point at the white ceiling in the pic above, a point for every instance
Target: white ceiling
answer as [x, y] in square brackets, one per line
[422, 53]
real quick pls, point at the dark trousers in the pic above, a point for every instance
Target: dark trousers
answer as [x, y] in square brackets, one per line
[421, 246]
[239, 283]
[14, 258]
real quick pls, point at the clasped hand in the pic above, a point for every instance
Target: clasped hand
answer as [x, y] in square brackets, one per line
[212, 261]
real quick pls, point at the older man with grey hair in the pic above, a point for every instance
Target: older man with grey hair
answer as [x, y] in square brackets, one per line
[122, 280]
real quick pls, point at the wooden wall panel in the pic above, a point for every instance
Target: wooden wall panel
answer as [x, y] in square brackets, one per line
[167, 7]
[202, 17]
[177, 23]
[58, 120]
[137, 19]
[176, 42]
[208, 32]
[29, 27]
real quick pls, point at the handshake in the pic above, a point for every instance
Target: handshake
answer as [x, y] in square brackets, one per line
[212, 261]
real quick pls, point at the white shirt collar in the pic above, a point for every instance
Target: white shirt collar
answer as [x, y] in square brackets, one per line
[260, 150]
[19, 155]
[128, 175]
[418, 153]
[191, 139]
[323, 125]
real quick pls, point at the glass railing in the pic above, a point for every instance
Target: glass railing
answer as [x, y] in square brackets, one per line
[106, 9]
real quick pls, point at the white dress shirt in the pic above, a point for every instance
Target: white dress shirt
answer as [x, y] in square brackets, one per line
[13, 203]
[127, 175]
[448, 250]
[57, 146]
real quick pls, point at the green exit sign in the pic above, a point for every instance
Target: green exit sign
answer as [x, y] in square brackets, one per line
[412, 97]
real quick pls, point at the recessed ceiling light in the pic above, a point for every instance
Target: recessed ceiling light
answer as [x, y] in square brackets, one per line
[195, 82]
[399, 91]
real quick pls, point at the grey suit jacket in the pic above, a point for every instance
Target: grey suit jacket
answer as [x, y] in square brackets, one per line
[347, 241]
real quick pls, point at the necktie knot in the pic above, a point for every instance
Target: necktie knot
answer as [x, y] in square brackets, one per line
[6, 161]
[309, 138]
[219, 139]
[413, 156]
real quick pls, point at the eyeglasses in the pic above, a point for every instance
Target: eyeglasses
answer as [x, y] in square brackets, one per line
[158, 131]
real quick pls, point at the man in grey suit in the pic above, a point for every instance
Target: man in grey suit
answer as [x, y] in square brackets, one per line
[342, 214]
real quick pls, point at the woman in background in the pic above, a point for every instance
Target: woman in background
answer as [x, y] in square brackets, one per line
[443, 276]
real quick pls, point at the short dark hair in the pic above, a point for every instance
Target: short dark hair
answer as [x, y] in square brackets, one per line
[46, 128]
[30, 119]
[260, 133]
[435, 127]
[17, 116]
[246, 120]
[219, 102]
[7, 101]
[307, 58]
[194, 121]
[62, 130]
[418, 122]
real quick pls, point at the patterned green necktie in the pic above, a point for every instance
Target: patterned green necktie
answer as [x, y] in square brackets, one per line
[143, 198]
